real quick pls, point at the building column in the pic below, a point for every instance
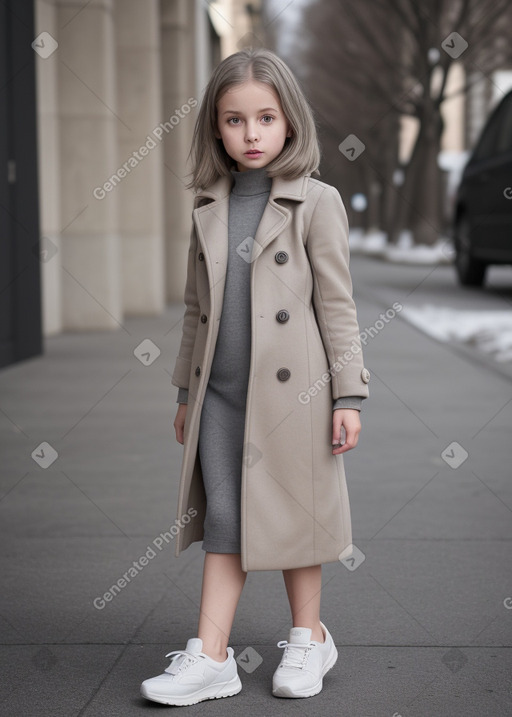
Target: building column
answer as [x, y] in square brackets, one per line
[47, 66]
[180, 104]
[88, 125]
[140, 193]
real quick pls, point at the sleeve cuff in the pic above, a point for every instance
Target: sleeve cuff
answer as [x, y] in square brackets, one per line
[182, 395]
[348, 402]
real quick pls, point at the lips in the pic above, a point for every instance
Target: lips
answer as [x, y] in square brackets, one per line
[253, 152]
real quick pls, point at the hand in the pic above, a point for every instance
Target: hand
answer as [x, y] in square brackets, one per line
[349, 419]
[179, 422]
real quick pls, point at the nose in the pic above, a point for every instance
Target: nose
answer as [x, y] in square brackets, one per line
[251, 132]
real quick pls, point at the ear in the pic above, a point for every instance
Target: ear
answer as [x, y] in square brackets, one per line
[290, 131]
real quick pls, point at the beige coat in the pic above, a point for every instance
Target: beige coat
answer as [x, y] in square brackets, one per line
[295, 509]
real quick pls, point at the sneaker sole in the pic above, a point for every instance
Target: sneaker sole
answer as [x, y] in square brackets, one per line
[213, 692]
[310, 691]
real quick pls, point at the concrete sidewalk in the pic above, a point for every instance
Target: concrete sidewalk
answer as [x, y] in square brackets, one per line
[423, 624]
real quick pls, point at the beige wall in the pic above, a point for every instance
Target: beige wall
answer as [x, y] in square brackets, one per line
[180, 102]
[140, 194]
[88, 123]
[112, 195]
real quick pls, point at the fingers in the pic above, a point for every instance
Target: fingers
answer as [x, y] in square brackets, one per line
[336, 427]
[179, 423]
[179, 426]
[179, 433]
[347, 419]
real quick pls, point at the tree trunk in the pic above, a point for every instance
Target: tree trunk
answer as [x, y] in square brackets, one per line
[418, 200]
[425, 209]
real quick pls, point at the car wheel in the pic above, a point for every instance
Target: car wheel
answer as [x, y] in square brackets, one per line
[470, 271]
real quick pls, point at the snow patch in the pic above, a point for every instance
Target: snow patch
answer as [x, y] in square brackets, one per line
[488, 331]
[406, 252]
[374, 243]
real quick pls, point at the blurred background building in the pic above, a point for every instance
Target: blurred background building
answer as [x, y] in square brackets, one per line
[99, 100]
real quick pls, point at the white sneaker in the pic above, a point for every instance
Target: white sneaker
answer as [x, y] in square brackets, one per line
[193, 677]
[304, 663]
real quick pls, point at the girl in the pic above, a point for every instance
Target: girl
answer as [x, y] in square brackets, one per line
[270, 376]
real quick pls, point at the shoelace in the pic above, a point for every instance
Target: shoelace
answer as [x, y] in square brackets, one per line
[178, 664]
[294, 655]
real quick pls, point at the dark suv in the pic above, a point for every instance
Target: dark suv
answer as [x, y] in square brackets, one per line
[483, 207]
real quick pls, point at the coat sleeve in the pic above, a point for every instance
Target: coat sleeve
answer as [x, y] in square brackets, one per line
[181, 373]
[328, 251]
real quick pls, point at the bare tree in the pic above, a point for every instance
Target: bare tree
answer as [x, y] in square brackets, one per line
[366, 65]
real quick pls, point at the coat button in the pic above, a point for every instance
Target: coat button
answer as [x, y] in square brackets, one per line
[365, 375]
[281, 257]
[198, 371]
[204, 318]
[201, 256]
[282, 316]
[283, 374]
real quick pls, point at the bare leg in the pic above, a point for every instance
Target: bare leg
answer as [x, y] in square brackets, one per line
[304, 588]
[223, 581]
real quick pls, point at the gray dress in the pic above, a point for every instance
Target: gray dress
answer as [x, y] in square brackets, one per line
[222, 424]
[221, 430]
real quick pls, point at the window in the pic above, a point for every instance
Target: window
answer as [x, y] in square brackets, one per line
[487, 145]
[504, 138]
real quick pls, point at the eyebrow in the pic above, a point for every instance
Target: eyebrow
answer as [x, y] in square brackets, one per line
[237, 112]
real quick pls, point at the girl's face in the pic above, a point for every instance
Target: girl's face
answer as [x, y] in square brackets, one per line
[251, 124]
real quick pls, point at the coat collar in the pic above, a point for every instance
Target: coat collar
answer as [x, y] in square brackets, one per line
[211, 222]
[295, 189]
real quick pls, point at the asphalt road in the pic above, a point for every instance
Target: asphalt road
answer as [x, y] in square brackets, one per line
[423, 623]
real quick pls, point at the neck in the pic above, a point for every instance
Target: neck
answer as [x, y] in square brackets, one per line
[252, 181]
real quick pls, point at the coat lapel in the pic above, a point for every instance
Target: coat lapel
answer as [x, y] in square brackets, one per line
[211, 221]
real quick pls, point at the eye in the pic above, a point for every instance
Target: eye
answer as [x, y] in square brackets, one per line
[234, 120]
[267, 119]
